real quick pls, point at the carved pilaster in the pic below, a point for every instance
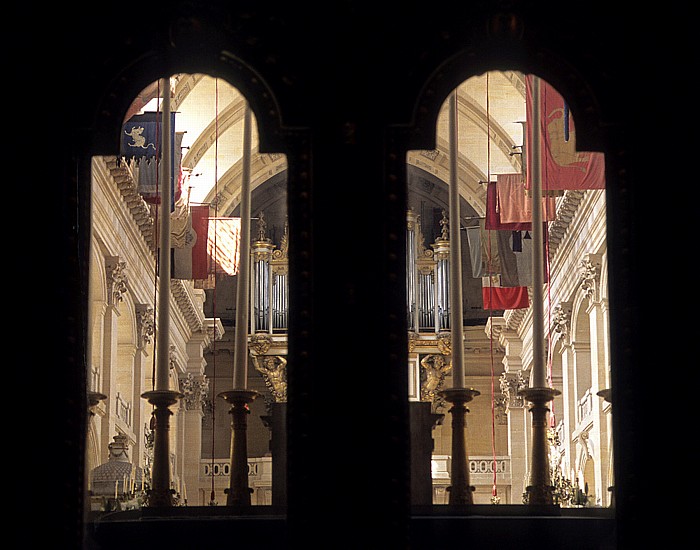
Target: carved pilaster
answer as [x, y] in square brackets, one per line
[500, 403]
[561, 319]
[511, 384]
[195, 392]
[589, 276]
[144, 324]
[116, 280]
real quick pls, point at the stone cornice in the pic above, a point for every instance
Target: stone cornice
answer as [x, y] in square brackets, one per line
[184, 299]
[140, 211]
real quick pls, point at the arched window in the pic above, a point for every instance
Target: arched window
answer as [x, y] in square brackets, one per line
[347, 118]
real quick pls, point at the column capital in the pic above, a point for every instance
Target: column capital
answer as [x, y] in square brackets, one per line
[117, 281]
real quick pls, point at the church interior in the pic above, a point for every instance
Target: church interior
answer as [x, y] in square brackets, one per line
[297, 379]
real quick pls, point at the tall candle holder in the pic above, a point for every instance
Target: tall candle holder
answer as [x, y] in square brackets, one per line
[540, 491]
[161, 494]
[238, 493]
[460, 489]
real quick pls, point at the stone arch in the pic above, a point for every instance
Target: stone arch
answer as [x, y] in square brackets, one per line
[581, 345]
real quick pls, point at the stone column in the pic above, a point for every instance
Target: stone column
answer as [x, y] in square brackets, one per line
[590, 277]
[512, 381]
[116, 287]
[562, 326]
[145, 330]
[518, 442]
[195, 388]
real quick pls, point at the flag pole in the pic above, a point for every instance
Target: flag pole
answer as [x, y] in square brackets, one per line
[161, 494]
[238, 493]
[539, 394]
[460, 489]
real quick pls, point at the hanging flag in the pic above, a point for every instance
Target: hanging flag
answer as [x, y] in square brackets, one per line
[475, 255]
[493, 217]
[515, 252]
[514, 272]
[514, 203]
[562, 166]
[190, 246]
[483, 250]
[497, 297]
[223, 245]
[149, 176]
[142, 136]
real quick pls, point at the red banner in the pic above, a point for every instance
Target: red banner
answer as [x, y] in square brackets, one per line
[563, 167]
[498, 297]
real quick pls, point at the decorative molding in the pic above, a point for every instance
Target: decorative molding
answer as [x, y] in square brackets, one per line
[145, 324]
[214, 329]
[589, 277]
[567, 206]
[562, 318]
[431, 154]
[511, 384]
[139, 208]
[259, 344]
[117, 280]
[412, 341]
[444, 343]
[500, 403]
[195, 392]
[184, 301]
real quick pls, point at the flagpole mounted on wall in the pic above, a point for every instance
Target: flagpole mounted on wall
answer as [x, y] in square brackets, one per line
[540, 491]
[162, 398]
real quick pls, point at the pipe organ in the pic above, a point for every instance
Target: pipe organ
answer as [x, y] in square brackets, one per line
[427, 279]
[270, 289]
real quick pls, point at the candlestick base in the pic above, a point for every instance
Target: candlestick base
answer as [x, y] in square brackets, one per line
[161, 494]
[460, 491]
[541, 490]
[238, 493]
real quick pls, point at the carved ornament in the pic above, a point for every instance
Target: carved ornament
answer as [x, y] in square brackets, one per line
[273, 369]
[116, 279]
